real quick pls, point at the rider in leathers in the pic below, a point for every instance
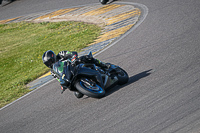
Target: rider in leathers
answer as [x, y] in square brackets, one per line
[63, 70]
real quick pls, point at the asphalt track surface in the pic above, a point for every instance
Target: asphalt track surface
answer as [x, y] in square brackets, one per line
[162, 58]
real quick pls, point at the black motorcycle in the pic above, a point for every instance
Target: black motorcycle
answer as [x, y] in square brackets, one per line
[103, 2]
[91, 80]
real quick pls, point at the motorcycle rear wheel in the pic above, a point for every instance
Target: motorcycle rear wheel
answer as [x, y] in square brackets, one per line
[94, 91]
[103, 2]
[78, 94]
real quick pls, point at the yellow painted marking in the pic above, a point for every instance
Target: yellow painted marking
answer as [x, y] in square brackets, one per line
[113, 34]
[123, 16]
[8, 20]
[57, 13]
[47, 74]
[102, 10]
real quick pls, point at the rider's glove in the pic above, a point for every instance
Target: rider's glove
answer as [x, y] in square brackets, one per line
[62, 54]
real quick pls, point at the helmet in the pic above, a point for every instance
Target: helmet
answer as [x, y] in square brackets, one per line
[49, 58]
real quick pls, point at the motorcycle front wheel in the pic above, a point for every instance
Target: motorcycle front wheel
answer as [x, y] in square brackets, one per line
[122, 76]
[89, 89]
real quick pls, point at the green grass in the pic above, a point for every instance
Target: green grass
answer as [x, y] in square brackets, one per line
[23, 44]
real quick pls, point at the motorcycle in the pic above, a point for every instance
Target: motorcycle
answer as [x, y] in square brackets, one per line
[103, 2]
[91, 80]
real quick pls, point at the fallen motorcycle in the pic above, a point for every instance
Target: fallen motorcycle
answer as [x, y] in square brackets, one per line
[91, 80]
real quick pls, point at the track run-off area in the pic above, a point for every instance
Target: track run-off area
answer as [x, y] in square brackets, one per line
[156, 42]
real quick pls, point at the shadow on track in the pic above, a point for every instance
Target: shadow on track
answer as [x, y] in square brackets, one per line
[112, 1]
[131, 80]
[6, 2]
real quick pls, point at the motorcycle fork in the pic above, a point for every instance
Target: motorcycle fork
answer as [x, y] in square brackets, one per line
[105, 80]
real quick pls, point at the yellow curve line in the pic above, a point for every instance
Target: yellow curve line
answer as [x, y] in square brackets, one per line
[8, 20]
[113, 34]
[123, 16]
[56, 13]
[47, 74]
[102, 10]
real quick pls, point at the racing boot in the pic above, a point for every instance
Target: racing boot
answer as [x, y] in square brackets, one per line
[65, 79]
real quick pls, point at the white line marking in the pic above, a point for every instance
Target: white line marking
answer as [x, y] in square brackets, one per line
[145, 12]
[25, 95]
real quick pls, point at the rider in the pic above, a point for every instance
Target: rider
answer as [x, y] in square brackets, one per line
[64, 69]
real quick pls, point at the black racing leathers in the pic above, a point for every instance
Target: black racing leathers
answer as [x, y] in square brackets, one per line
[63, 70]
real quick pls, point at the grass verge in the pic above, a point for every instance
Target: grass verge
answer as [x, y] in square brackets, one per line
[23, 44]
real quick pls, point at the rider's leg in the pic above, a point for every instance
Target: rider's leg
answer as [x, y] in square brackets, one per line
[65, 79]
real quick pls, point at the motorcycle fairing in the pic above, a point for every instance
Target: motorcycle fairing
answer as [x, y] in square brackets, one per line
[58, 68]
[113, 68]
[90, 73]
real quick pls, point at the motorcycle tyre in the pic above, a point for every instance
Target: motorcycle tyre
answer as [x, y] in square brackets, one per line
[86, 91]
[103, 2]
[78, 94]
[122, 79]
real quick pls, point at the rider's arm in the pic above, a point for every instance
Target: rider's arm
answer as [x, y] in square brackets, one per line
[67, 55]
[64, 55]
